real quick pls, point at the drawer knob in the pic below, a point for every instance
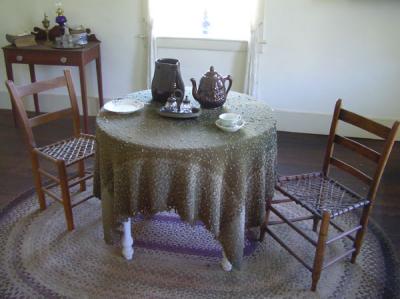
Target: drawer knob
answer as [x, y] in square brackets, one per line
[20, 58]
[63, 59]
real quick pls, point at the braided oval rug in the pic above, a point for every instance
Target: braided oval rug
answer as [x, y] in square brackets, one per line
[40, 259]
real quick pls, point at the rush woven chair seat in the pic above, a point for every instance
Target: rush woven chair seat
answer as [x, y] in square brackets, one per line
[318, 193]
[71, 150]
[326, 198]
[64, 153]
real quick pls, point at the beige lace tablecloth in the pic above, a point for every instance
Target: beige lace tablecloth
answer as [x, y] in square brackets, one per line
[146, 163]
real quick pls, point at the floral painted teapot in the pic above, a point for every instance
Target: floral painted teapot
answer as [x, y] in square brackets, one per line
[212, 92]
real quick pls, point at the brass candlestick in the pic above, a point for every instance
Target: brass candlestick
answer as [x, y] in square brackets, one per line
[46, 25]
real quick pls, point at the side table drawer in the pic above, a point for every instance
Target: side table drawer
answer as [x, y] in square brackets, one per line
[44, 58]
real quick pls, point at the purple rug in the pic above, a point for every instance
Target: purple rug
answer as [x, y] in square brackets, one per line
[172, 259]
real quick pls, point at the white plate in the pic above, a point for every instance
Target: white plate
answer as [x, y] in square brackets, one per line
[230, 129]
[123, 106]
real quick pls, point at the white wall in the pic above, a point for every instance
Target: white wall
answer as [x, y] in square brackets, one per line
[227, 57]
[316, 51]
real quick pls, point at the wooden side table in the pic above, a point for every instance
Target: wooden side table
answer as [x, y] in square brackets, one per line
[44, 54]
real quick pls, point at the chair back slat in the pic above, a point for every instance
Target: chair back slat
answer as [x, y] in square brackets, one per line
[364, 123]
[351, 170]
[48, 117]
[331, 137]
[384, 158]
[38, 87]
[358, 148]
[387, 133]
[74, 103]
[17, 92]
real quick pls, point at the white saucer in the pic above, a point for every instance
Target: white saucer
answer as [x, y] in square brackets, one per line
[123, 106]
[230, 129]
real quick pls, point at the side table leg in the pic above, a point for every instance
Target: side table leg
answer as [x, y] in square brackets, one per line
[10, 76]
[35, 96]
[82, 78]
[99, 81]
[225, 263]
[127, 240]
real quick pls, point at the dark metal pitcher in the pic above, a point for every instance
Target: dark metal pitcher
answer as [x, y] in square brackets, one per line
[167, 77]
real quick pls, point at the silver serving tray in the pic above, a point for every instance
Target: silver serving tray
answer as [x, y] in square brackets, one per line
[67, 46]
[195, 113]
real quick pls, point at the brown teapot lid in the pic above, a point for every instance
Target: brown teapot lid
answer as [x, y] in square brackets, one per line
[211, 74]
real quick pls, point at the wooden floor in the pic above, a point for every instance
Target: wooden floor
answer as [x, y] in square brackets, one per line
[297, 153]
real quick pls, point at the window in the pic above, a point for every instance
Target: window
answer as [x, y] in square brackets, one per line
[214, 19]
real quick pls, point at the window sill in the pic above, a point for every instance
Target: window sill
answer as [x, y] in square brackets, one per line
[202, 44]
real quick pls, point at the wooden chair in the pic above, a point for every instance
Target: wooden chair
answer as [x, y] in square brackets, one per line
[72, 151]
[327, 199]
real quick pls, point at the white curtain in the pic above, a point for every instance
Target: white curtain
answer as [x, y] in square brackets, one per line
[253, 50]
[150, 39]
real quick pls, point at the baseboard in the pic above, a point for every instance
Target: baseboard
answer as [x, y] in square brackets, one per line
[289, 121]
[52, 102]
[319, 123]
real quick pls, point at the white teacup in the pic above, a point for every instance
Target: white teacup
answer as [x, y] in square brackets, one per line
[229, 119]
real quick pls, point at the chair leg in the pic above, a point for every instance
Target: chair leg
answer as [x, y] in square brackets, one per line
[81, 171]
[320, 251]
[66, 199]
[38, 181]
[315, 223]
[263, 227]
[360, 234]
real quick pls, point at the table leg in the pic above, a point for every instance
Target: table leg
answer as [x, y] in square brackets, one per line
[10, 76]
[99, 80]
[225, 263]
[82, 77]
[35, 96]
[127, 240]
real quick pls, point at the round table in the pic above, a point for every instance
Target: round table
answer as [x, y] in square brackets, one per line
[146, 163]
